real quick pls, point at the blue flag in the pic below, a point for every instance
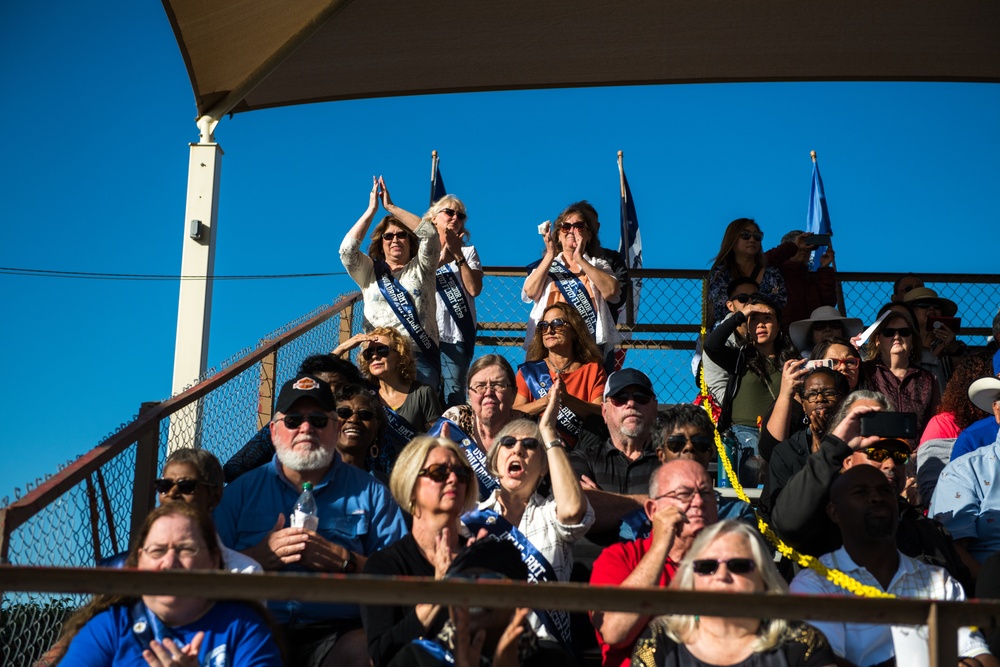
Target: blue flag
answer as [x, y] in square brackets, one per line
[437, 183]
[818, 217]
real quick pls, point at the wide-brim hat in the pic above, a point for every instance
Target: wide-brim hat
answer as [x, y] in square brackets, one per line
[947, 306]
[799, 331]
[984, 392]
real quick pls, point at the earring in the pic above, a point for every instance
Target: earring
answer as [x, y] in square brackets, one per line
[805, 420]
[373, 451]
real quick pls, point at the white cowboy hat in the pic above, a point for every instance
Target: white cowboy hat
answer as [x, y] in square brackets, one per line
[799, 331]
[983, 392]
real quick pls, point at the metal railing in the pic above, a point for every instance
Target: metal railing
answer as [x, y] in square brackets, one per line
[90, 508]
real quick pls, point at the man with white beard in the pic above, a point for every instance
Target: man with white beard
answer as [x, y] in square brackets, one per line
[357, 516]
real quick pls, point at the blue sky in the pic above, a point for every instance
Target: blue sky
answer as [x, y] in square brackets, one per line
[98, 113]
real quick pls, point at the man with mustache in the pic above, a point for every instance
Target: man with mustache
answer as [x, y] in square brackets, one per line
[863, 506]
[357, 516]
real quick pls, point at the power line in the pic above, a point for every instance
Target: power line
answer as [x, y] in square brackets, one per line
[85, 275]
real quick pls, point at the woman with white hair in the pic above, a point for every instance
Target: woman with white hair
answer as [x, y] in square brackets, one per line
[730, 557]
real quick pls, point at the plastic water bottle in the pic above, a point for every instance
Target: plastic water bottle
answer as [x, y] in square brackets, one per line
[304, 512]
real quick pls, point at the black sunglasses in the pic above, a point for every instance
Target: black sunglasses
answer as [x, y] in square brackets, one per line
[742, 298]
[388, 236]
[827, 325]
[756, 236]
[363, 414]
[926, 304]
[380, 351]
[508, 442]
[701, 443]
[568, 226]
[452, 212]
[878, 455]
[621, 398]
[439, 472]
[185, 486]
[709, 566]
[904, 332]
[557, 323]
[316, 420]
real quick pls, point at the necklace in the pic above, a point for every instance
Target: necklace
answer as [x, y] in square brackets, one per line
[559, 371]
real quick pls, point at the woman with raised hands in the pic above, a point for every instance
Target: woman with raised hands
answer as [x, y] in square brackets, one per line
[396, 277]
[741, 255]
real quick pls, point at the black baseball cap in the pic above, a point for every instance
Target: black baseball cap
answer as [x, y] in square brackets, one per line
[626, 378]
[303, 386]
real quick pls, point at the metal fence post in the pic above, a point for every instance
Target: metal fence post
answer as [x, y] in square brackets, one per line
[147, 459]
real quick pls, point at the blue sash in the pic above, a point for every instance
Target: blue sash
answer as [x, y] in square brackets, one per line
[536, 375]
[406, 312]
[436, 650]
[575, 294]
[458, 307]
[539, 568]
[398, 432]
[477, 459]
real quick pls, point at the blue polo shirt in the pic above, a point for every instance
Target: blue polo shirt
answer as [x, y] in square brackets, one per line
[355, 511]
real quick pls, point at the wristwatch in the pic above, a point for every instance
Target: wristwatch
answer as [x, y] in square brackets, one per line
[350, 564]
[558, 442]
[459, 262]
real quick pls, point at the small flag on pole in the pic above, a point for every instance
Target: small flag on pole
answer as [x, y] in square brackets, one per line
[818, 217]
[437, 183]
[630, 248]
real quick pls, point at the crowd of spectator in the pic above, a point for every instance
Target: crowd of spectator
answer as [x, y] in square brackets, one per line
[423, 460]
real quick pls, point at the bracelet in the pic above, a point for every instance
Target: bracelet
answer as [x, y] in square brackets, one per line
[558, 442]
[459, 262]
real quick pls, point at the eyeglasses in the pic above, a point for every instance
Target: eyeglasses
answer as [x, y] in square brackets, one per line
[388, 236]
[890, 332]
[742, 298]
[508, 442]
[685, 496]
[467, 576]
[316, 420]
[570, 226]
[828, 325]
[185, 486]
[846, 362]
[481, 388]
[705, 567]
[380, 351]
[878, 455]
[677, 442]
[158, 551]
[621, 398]
[756, 236]
[544, 325]
[815, 396]
[439, 472]
[363, 414]
[452, 213]
[926, 304]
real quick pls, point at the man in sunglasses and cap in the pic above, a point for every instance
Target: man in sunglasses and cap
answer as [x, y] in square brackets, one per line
[863, 506]
[356, 514]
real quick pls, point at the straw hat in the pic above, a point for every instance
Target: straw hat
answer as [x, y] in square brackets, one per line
[799, 331]
[947, 306]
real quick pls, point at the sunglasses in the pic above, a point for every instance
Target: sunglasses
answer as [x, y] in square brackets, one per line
[621, 398]
[878, 455]
[185, 486]
[557, 323]
[439, 472]
[847, 362]
[570, 226]
[388, 236]
[316, 420]
[380, 351]
[452, 213]
[705, 567]
[363, 414]
[829, 325]
[890, 332]
[756, 236]
[701, 443]
[926, 304]
[742, 298]
[508, 442]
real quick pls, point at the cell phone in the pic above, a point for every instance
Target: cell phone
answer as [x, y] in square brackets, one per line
[818, 239]
[953, 323]
[819, 363]
[890, 424]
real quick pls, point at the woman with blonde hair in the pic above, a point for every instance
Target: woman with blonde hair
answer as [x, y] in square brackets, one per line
[433, 481]
[730, 557]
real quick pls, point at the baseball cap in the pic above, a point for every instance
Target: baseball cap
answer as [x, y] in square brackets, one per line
[626, 378]
[305, 386]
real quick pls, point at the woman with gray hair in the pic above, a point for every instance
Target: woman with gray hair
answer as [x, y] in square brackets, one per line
[544, 529]
[730, 557]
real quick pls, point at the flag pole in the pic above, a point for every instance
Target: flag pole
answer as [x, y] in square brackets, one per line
[812, 154]
[434, 164]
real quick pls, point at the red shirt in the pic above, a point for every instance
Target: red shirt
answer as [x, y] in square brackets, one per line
[611, 568]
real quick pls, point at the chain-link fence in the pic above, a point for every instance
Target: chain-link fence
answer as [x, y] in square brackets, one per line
[87, 511]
